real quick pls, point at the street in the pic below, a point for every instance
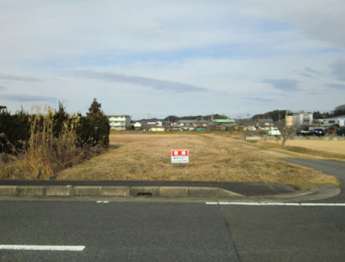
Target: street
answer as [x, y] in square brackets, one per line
[154, 229]
[171, 231]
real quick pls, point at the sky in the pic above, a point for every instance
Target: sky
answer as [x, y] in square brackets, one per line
[157, 58]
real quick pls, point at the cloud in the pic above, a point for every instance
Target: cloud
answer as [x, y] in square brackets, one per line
[311, 71]
[338, 69]
[305, 74]
[283, 84]
[2, 88]
[19, 78]
[308, 72]
[336, 86]
[319, 20]
[259, 99]
[28, 98]
[161, 85]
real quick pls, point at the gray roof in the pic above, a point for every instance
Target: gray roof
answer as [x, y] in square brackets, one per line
[203, 122]
[187, 121]
[265, 121]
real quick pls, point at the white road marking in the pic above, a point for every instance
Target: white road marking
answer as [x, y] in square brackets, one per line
[102, 202]
[42, 248]
[276, 204]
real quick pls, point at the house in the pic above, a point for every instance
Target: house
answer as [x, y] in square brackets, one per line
[338, 120]
[147, 124]
[186, 124]
[202, 124]
[137, 126]
[157, 129]
[222, 124]
[303, 118]
[119, 122]
[289, 121]
[264, 124]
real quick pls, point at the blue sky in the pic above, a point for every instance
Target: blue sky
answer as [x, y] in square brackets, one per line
[237, 58]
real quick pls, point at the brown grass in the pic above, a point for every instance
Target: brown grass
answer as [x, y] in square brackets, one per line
[46, 155]
[312, 147]
[212, 158]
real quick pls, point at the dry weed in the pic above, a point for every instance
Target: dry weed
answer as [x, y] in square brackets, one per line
[46, 155]
[212, 158]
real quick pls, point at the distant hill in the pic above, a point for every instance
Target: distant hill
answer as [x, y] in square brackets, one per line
[275, 115]
[199, 117]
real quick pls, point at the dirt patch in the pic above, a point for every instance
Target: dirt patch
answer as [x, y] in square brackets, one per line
[212, 158]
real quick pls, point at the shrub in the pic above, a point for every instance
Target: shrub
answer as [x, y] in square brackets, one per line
[15, 130]
[50, 141]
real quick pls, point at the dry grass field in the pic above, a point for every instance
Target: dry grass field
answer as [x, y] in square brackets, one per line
[331, 146]
[316, 147]
[212, 158]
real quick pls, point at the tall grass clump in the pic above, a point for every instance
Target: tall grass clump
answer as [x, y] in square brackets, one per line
[45, 154]
[48, 154]
[56, 141]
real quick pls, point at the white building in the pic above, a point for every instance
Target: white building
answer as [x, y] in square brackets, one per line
[338, 120]
[303, 119]
[119, 123]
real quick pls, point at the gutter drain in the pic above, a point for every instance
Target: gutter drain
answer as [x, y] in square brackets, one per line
[145, 194]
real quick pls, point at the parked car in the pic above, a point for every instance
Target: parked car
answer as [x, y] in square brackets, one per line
[302, 130]
[341, 131]
[314, 132]
[318, 131]
[273, 131]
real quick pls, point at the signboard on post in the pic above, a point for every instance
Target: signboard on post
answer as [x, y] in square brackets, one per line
[180, 156]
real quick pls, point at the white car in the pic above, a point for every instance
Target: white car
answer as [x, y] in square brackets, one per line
[274, 132]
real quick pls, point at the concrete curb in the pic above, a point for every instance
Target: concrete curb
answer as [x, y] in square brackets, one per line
[70, 191]
[315, 193]
[302, 193]
[116, 191]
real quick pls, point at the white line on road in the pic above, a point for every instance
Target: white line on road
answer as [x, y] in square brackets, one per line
[42, 248]
[277, 204]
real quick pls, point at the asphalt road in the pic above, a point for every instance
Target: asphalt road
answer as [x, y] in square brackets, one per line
[329, 167]
[165, 231]
[176, 231]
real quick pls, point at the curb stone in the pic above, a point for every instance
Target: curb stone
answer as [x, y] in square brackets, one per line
[152, 191]
[116, 191]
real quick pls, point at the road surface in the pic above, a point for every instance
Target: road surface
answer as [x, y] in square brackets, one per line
[171, 231]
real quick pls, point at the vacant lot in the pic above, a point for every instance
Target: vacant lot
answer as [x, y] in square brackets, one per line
[317, 147]
[212, 158]
[331, 146]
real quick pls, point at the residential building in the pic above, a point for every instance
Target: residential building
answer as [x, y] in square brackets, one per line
[157, 129]
[137, 126]
[338, 120]
[147, 124]
[289, 121]
[303, 118]
[225, 122]
[119, 122]
[264, 124]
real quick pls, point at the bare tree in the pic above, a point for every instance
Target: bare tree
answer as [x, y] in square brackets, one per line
[286, 132]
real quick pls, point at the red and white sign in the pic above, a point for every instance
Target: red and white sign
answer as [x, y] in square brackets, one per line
[180, 156]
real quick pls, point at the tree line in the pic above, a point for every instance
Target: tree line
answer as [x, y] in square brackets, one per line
[277, 115]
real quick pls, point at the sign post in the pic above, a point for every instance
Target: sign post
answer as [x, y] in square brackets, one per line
[180, 156]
